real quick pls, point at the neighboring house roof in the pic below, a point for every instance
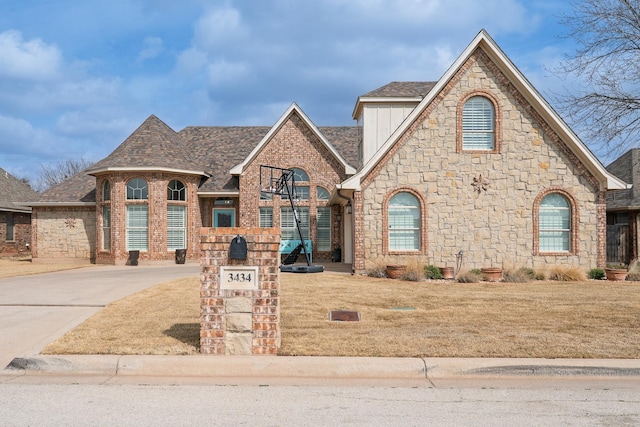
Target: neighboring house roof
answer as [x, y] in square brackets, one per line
[293, 109]
[79, 190]
[153, 146]
[14, 192]
[626, 168]
[530, 94]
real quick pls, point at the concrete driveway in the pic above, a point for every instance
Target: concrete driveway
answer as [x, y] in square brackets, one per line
[36, 310]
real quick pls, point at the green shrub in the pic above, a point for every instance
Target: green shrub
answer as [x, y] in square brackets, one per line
[432, 272]
[596, 274]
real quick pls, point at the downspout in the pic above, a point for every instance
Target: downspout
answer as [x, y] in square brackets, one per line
[353, 231]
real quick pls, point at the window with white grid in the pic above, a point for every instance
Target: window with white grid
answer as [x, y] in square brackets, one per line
[555, 224]
[266, 217]
[288, 223]
[176, 227]
[106, 228]
[323, 240]
[478, 131]
[404, 223]
[137, 227]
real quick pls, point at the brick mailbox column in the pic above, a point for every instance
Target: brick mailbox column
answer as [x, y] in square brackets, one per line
[239, 299]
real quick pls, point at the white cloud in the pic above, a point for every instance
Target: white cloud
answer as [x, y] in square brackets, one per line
[153, 46]
[221, 72]
[32, 59]
[19, 136]
[217, 27]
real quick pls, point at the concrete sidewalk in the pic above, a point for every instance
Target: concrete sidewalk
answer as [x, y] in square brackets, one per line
[206, 366]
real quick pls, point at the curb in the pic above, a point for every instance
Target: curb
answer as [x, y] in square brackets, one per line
[321, 367]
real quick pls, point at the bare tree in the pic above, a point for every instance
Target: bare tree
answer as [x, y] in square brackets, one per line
[607, 60]
[53, 174]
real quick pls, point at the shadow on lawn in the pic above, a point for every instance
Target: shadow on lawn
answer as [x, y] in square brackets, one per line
[188, 333]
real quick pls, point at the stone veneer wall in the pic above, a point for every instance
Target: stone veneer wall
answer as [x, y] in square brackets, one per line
[492, 227]
[236, 321]
[63, 233]
[312, 157]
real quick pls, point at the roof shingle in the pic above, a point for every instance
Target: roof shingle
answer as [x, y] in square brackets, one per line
[13, 192]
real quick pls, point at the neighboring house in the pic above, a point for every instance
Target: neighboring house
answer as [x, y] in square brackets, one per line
[475, 168]
[15, 219]
[623, 209]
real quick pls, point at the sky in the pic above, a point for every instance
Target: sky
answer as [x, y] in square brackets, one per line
[79, 76]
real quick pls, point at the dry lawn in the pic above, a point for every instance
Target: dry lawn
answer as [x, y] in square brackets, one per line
[22, 266]
[433, 319]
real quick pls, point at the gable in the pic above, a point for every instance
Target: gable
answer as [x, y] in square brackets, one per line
[512, 82]
[308, 126]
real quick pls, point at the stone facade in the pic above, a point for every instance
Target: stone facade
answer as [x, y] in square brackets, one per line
[240, 321]
[63, 233]
[21, 241]
[312, 157]
[490, 226]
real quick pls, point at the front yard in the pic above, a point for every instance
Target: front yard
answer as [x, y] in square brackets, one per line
[592, 319]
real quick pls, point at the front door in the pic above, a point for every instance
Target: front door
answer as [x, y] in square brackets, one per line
[224, 218]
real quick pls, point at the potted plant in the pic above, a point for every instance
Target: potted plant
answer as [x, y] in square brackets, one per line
[395, 271]
[491, 274]
[447, 273]
[616, 272]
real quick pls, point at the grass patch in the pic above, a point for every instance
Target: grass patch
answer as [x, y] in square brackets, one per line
[23, 266]
[539, 319]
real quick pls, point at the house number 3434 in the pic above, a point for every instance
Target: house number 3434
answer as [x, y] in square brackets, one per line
[238, 277]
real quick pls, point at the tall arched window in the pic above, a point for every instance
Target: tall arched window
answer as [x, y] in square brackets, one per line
[176, 216]
[106, 191]
[106, 216]
[478, 124]
[137, 221]
[404, 222]
[554, 224]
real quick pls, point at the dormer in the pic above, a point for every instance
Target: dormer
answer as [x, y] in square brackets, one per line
[380, 112]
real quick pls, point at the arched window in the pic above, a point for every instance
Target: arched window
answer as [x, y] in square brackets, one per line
[137, 189]
[176, 191]
[301, 191]
[478, 124]
[106, 191]
[299, 175]
[404, 222]
[554, 223]
[323, 193]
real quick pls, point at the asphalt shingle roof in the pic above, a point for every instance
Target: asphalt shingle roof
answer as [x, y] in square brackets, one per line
[13, 191]
[81, 187]
[401, 90]
[153, 144]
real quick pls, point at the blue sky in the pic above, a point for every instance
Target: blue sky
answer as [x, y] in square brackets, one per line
[77, 77]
